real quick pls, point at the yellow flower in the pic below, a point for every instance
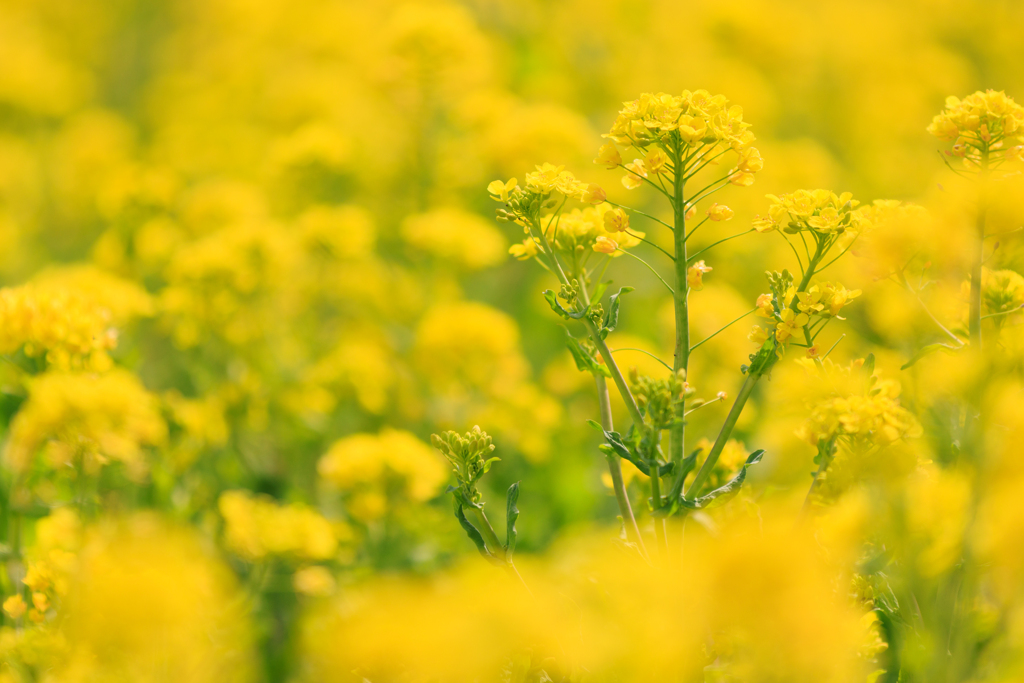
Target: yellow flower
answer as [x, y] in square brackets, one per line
[525, 251]
[695, 275]
[741, 179]
[605, 245]
[635, 172]
[500, 190]
[751, 161]
[758, 334]
[765, 309]
[616, 220]
[594, 194]
[608, 156]
[15, 606]
[544, 179]
[790, 323]
[656, 161]
[720, 212]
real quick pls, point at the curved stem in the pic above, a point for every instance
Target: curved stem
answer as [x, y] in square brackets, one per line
[615, 469]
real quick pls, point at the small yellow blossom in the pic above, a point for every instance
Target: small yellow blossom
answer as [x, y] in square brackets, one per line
[616, 220]
[500, 190]
[526, 250]
[695, 275]
[608, 156]
[789, 324]
[15, 606]
[594, 194]
[656, 161]
[605, 245]
[765, 309]
[635, 172]
[720, 212]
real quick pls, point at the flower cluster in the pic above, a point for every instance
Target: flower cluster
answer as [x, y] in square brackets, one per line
[66, 329]
[576, 234]
[986, 128]
[819, 211]
[257, 527]
[688, 127]
[788, 311]
[85, 421]
[870, 415]
[370, 467]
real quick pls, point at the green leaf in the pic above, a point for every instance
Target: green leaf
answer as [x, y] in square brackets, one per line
[611, 318]
[616, 445]
[869, 364]
[596, 425]
[584, 361]
[557, 307]
[727, 490]
[511, 515]
[471, 531]
[488, 463]
[688, 463]
[926, 351]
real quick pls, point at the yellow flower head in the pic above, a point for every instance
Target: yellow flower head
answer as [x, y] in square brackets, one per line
[815, 210]
[605, 245]
[500, 190]
[695, 275]
[608, 155]
[986, 128]
[720, 213]
[526, 250]
[616, 220]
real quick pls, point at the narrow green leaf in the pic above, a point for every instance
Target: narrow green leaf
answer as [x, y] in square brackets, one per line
[616, 445]
[869, 364]
[596, 425]
[727, 490]
[557, 307]
[926, 351]
[611, 318]
[511, 515]
[471, 531]
[584, 361]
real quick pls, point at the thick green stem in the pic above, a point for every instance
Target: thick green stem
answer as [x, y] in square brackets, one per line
[723, 435]
[681, 354]
[615, 469]
[620, 381]
[974, 315]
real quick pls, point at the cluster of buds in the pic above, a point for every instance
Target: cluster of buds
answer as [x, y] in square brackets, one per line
[467, 453]
[661, 400]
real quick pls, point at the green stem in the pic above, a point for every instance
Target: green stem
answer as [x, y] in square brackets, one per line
[615, 469]
[826, 459]
[723, 435]
[487, 531]
[681, 353]
[974, 316]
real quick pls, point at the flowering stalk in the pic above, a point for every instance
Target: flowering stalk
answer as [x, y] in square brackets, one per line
[681, 356]
[974, 314]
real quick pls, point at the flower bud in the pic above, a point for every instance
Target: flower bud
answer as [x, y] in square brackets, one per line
[720, 212]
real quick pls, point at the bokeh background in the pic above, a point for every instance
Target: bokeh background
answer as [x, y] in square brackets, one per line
[282, 206]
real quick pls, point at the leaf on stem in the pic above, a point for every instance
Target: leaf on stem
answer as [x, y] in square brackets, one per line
[585, 362]
[727, 490]
[471, 531]
[616, 445]
[557, 307]
[611, 318]
[926, 351]
[511, 515]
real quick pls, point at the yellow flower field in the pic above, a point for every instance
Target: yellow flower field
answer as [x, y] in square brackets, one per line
[480, 340]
